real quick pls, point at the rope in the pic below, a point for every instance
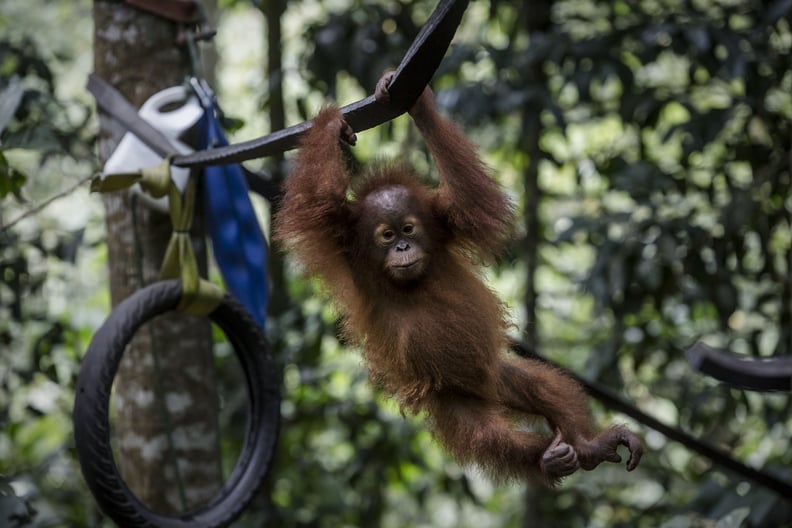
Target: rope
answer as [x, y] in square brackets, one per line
[612, 401]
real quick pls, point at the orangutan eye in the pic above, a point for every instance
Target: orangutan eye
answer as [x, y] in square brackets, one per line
[408, 229]
[384, 234]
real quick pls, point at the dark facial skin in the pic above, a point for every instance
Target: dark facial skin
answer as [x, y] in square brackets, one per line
[399, 239]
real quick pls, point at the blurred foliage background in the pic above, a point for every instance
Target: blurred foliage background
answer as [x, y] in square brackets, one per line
[647, 144]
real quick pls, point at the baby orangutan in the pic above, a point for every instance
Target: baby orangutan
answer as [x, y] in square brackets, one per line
[400, 258]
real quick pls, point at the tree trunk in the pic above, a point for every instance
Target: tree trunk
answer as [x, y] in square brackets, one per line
[538, 21]
[273, 12]
[166, 423]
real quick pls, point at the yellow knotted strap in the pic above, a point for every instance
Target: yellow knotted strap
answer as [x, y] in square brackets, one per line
[155, 180]
[199, 296]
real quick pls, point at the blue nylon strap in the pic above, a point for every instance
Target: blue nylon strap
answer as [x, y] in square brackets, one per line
[239, 247]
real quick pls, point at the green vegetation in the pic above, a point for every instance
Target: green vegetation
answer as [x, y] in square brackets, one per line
[647, 144]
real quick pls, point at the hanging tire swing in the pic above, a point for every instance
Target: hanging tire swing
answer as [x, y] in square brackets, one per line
[91, 421]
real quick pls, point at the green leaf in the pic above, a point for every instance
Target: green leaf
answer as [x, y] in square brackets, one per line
[11, 180]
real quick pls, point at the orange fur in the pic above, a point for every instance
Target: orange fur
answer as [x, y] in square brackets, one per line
[439, 346]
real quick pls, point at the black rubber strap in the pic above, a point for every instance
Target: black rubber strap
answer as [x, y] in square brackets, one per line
[411, 77]
[117, 106]
[766, 375]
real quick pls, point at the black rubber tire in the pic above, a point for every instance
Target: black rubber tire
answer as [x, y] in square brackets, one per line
[92, 427]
